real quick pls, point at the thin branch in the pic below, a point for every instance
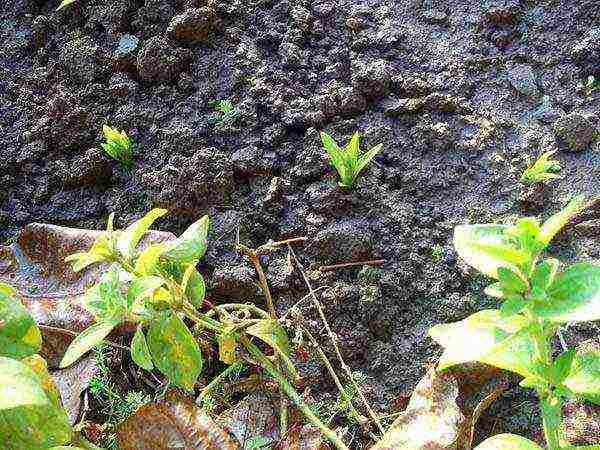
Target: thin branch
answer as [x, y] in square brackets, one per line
[373, 262]
[333, 339]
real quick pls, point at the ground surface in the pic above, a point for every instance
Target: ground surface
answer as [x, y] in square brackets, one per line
[461, 93]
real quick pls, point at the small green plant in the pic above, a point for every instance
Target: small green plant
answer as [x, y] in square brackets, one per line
[543, 170]
[65, 3]
[349, 163]
[538, 296]
[118, 146]
[590, 85]
[258, 443]
[158, 286]
[437, 252]
[227, 111]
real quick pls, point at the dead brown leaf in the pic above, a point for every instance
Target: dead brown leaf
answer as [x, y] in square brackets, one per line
[174, 423]
[71, 383]
[432, 420]
[35, 265]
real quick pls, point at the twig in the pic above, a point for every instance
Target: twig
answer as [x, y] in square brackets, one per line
[72, 333]
[333, 339]
[374, 262]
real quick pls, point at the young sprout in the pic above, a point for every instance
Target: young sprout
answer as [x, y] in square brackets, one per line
[118, 146]
[543, 170]
[349, 162]
[227, 110]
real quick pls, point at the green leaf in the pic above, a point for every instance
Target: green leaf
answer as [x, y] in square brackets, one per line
[486, 248]
[65, 3]
[130, 237]
[140, 353]
[366, 158]
[338, 158]
[562, 365]
[147, 261]
[545, 272]
[273, 334]
[88, 339]
[494, 290]
[511, 282]
[19, 335]
[584, 376]
[527, 233]
[508, 442]
[191, 245]
[140, 289]
[174, 351]
[106, 299]
[489, 338]
[574, 296]
[555, 223]
[512, 305]
[195, 288]
[101, 250]
[29, 418]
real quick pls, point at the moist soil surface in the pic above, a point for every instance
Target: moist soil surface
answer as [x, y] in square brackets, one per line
[462, 94]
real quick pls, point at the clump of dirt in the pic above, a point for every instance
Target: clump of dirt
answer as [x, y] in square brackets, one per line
[460, 93]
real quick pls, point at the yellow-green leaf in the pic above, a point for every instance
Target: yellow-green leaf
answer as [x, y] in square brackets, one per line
[101, 251]
[486, 248]
[508, 442]
[130, 237]
[555, 223]
[584, 376]
[228, 348]
[191, 245]
[29, 418]
[147, 261]
[65, 3]
[489, 338]
[574, 296]
[140, 353]
[273, 334]
[88, 339]
[174, 350]
[19, 335]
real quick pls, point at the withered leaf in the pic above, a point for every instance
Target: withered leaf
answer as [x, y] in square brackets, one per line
[72, 381]
[174, 423]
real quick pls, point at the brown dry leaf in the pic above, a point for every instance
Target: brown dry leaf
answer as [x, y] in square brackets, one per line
[35, 265]
[255, 416]
[72, 381]
[174, 423]
[432, 420]
[306, 437]
[479, 410]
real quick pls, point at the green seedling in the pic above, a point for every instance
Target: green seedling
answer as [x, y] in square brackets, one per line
[349, 163]
[228, 112]
[118, 146]
[543, 170]
[590, 85]
[538, 296]
[155, 288]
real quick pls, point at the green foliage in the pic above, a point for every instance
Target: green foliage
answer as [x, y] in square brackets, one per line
[349, 162]
[542, 170]
[258, 443]
[538, 296]
[227, 112]
[118, 146]
[31, 414]
[65, 3]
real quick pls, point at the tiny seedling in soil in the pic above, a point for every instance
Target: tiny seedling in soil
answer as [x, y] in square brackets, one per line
[350, 162]
[227, 111]
[543, 170]
[118, 146]
[538, 296]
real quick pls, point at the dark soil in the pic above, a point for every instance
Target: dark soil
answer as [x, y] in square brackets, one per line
[460, 93]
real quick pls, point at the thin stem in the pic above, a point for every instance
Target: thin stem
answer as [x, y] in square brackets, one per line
[289, 390]
[216, 381]
[237, 306]
[551, 408]
[333, 339]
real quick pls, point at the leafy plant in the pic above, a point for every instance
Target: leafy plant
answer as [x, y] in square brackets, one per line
[349, 162]
[157, 287]
[118, 146]
[543, 170]
[31, 415]
[538, 295]
[228, 112]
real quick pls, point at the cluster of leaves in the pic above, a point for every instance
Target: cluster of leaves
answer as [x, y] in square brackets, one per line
[228, 113]
[538, 296]
[31, 415]
[350, 162]
[118, 146]
[543, 170]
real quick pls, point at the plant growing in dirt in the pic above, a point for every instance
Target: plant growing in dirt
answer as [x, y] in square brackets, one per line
[31, 414]
[350, 162]
[543, 170]
[158, 287]
[538, 296]
[227, 111]
[118, 146]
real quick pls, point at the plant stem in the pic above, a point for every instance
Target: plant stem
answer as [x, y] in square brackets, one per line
[551, 408]
[289, 390]
[218, 379]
